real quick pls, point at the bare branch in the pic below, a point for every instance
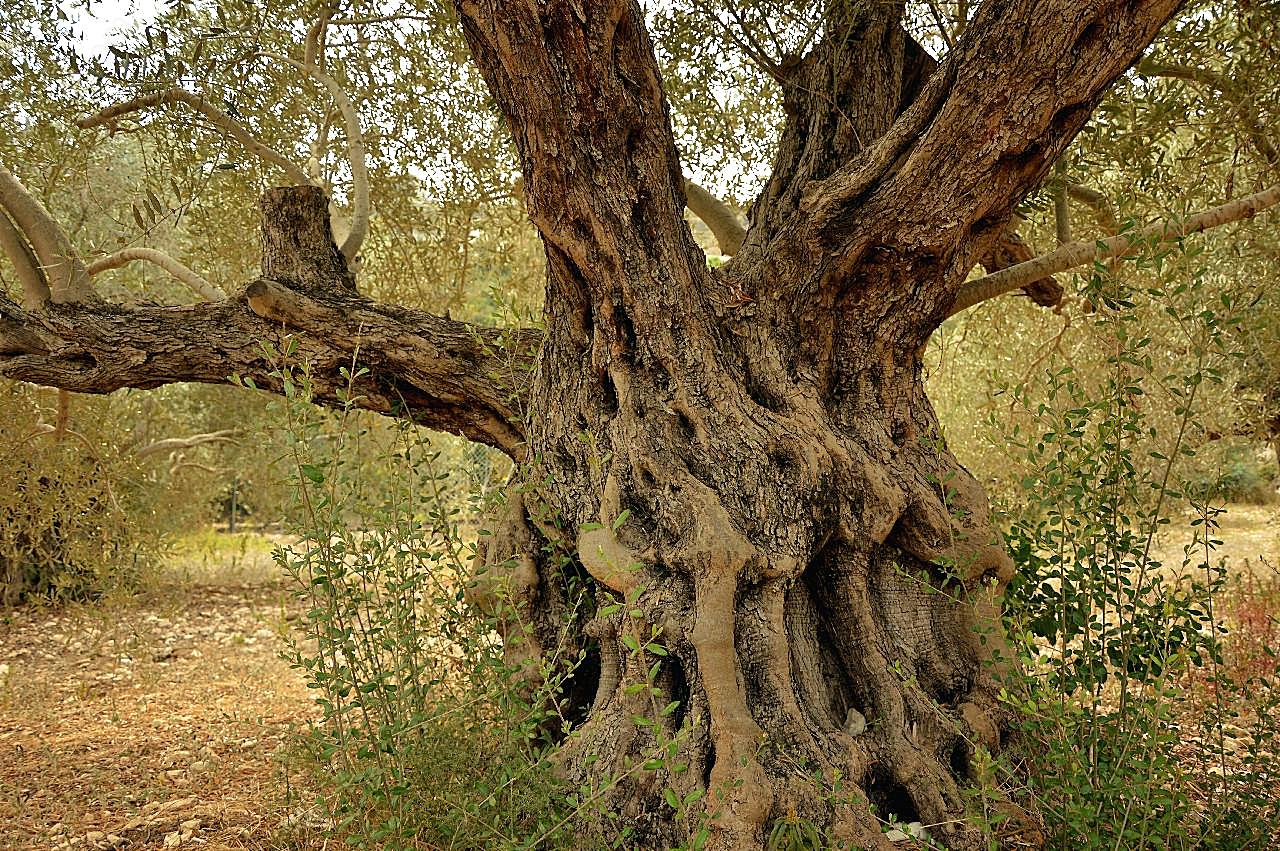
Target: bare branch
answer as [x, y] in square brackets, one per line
[1010, 249]
[357, 154]
[716, 215]
[196, 283]
[67, 279]
[35, 289]
[437, 372]
[1087, 251]
[313, 46]
[942, 27]
[62, 421]
[1061, 208]
[171, 444]
[216, 117]
[42, 429]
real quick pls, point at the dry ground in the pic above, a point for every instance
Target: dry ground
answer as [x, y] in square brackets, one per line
[163, 720]
[157, 721]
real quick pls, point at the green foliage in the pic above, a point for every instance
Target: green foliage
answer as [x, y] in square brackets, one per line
[75, 520]
[1129, 692]
[1241, 476]
[427, 734]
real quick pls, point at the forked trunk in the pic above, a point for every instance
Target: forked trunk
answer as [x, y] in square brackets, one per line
[791, 586]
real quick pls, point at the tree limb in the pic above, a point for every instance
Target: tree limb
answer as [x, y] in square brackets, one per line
[1061, 207]
[1012, 105]
[1098, 202]
[61, 267]
[196, 283]
[581, 91]
[718, 216]
[216, 117]
[1009, 250]
[357, 155]
[35, 288]
[171, 444]
[1087, 251]
[440, 373]
[313, 44]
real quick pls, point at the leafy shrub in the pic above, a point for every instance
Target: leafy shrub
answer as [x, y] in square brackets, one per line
[73, 522]
[427, 734]
[1142, 667]
[1241, 477]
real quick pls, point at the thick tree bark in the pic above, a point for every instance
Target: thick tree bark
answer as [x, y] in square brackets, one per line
[745, 457]
[441, 373]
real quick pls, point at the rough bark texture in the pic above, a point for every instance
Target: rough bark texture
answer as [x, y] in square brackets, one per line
[444, 374]
[820, 569]
[744, 456]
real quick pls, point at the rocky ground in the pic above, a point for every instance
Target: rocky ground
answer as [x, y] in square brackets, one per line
[157, 721]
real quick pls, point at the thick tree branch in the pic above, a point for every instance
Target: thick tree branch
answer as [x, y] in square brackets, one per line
[840, 98]
[357, 155]
[35, 287]
[1086, 251]
[197, 284]
[1012, 104]
[580, 88]
[437, 372]
[59, 264]
[215, 116]
[718, 216]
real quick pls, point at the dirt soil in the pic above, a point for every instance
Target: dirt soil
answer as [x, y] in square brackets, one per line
[157, 721]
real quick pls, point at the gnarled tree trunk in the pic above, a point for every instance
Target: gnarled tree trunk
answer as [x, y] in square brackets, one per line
[748, 451]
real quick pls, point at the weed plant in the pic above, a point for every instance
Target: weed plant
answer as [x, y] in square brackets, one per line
[427, 737]
[1143, 721]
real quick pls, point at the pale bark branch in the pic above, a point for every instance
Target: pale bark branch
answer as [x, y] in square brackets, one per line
[215, 116]
[62, 421]
[196, 283]
[1097, 201]
[1061, 208]
[1009, 250]
[718, 216]
[357, 154]
[1087, 251]
[313, 45]
[172, 444]
[35, 288]
[42, 429]
[63, 270]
